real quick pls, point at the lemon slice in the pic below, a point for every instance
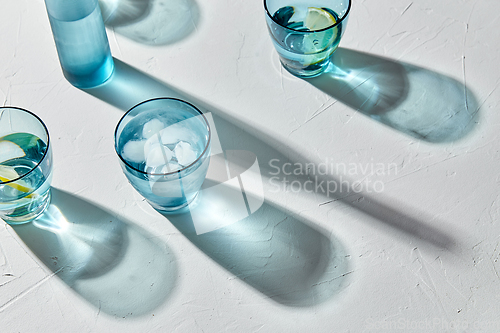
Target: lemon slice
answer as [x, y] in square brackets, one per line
[9, 150]
[8, 173]
[317, 19]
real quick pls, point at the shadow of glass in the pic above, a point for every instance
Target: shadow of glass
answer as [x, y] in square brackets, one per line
[113, 265]
[129, 86]
[418, 102]
[274, 155]
[278, 254]
[151, 22]
[272, 250]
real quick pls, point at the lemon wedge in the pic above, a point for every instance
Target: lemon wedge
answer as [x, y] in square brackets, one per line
[8, 173]
[9, 150]
[317, 19]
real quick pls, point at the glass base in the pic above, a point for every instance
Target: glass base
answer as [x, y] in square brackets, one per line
[31, 216]
[93, 79]
[305, 74]
[175, 209]
[296, 68]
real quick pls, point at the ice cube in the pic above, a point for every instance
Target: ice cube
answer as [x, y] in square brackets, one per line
[177, 132]
[185, 153]
[151, 128]
[155, 170]
[163, 169]
[172, 166]
[151, 143]
[158, 155]
[133, 151]
[8, 173]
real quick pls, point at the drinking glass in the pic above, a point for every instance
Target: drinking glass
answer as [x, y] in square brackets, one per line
[305, 33]
[25, 166]
[81, 41]
[163, 145]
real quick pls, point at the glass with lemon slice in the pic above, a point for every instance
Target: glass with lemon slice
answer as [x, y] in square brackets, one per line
[25, 166]
[306, 33]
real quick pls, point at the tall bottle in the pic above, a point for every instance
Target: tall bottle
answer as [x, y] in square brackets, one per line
[81, 41]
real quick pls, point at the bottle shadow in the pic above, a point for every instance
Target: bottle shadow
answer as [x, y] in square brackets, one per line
[113, 265]
[418, 102]
[151, 22]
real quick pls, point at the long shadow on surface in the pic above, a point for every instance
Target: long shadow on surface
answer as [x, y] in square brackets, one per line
[279, 254]
[113, 265]
[151, 22]
[418, 102]
[128, 86]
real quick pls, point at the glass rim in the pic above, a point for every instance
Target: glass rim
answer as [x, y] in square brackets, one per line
[172, 172]
[46, 152]
[313, 31]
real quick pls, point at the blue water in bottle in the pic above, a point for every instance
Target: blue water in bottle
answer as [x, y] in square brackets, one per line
[81, 41]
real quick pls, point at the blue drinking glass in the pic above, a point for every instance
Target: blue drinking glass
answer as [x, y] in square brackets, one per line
[25, 166]
[81, 41]
[163, 147]
[305, 33]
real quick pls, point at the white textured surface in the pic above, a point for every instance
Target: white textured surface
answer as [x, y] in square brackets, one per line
[416, 251]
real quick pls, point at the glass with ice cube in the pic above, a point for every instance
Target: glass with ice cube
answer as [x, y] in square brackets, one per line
[305, 33]
[25, 166]
[163, 146]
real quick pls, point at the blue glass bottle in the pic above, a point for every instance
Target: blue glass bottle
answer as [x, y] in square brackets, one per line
[81, 41]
